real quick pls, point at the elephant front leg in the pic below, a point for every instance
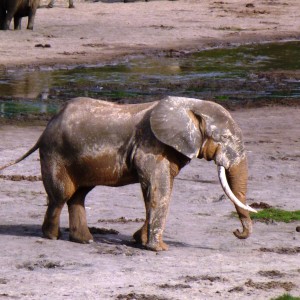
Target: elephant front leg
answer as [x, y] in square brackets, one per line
[150, 234]
[17, 23]
[157, 219]
[157, 194]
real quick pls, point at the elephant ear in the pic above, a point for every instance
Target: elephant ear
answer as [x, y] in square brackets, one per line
[175, 125]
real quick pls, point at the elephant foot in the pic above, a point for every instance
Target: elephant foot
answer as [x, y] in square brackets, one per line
[161, 246]
[51, 233]
[50, 236]
[80, 236]
[140, 236]
[50, 5]
[71, 6]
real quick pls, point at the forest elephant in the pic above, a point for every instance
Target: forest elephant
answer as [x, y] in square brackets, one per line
[17, 9]
[92, 142]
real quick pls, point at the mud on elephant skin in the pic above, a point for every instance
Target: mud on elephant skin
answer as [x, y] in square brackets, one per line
[92, 142]
[16, 9]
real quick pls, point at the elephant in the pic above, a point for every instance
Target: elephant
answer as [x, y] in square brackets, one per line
[17, 9]
[93, 142]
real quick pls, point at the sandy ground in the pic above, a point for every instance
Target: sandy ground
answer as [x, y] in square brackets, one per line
[99, 31]
[205, 260]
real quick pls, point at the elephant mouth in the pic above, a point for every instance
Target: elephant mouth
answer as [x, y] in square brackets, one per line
[227, 190]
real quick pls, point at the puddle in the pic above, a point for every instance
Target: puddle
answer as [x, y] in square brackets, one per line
[252, 73]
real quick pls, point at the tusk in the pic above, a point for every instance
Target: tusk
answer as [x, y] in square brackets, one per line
[228, 191]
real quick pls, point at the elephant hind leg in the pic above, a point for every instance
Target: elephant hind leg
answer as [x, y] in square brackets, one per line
[79, 231]
[59, 189]
[50, 226]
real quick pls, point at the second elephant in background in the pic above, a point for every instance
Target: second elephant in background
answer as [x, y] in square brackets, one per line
[16, 9]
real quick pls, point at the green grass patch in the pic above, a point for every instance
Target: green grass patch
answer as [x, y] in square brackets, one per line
[286, 297]
[222, 98]
[277, 215]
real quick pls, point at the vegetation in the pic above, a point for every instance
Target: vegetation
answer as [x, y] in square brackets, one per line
[286, 297]
[277, 215]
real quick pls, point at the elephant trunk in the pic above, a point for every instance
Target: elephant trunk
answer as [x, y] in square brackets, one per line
[234, 182]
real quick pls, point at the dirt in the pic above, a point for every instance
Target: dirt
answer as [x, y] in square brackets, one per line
[260, 205]
[205, 260]
[99, 31]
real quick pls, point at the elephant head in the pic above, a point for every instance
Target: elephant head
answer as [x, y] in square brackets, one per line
[205, 129]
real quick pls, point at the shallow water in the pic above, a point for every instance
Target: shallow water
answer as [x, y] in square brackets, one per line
[247, 73]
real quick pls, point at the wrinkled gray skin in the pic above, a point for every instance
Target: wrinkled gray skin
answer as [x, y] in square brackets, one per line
[92, 142]
[17, 9]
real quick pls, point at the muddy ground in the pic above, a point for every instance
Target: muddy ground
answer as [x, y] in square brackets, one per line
[205, 260]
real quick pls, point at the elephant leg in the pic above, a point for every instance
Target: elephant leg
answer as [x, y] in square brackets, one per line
[17, 22]
[141, 236]
[2, 19]
[79, 231]
[30, 23]
[157, 188]
[50, 4]
[50, 226]
[157, 214]
[7, 21]
[60, 189]
[71, 4]
[31, 17]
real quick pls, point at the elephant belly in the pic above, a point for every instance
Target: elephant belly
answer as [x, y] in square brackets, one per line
[104, 169]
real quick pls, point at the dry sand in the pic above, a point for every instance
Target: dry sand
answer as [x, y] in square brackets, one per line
[205, 260]
[101, 31]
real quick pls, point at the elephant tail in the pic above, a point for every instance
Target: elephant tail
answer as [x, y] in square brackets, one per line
[33, 149]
